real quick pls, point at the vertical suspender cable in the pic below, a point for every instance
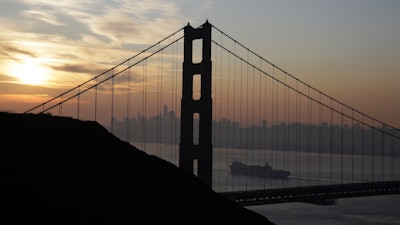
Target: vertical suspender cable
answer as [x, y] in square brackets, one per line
[220, 111]
[260, 146]
[352, 146]
[158, 107]
[228, 138]
[362, 148]
[331, 143]
[112, 101]
[284, 144]
[234, 106]
[300, 147]
[241, 108]
[170, 118]
[143, 116]
[240, 105]
[60, 106]
[383, 153]
[288, 149]
[79, 101]
[260, 120]
[216, 140]
[276, 124]
[250, 125]
[176, 126]
[341, 144]
[309, 115]
[297, 130]
[95, 100]
[247, 110]
[320, 140]
[161, 101]
[392, 155]
[217, 127]
[373, 151]
[128, 105]
[265, 127]
[252, 121]
[272, 120]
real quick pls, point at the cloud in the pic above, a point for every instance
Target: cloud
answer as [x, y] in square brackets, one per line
[119, 22]
[7, 79]
[139, 22]
[80, 68]
[45, 16]
[9, 51]
[112, 23]
[22, 89]
[77, 40]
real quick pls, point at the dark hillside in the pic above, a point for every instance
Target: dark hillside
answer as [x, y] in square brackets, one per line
[59, 170]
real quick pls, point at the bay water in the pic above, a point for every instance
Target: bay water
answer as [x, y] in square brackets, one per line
[306, 168]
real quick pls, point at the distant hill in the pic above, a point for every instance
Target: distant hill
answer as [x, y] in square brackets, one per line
[60, 170]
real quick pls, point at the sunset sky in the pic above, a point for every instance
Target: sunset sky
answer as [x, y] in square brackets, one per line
[350, 49]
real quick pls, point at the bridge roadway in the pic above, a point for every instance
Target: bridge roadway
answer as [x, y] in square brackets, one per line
[324, 194]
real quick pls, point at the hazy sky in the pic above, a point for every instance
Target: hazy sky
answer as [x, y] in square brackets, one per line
[350, 49]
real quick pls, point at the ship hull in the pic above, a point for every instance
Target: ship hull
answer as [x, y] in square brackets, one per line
[238, 168]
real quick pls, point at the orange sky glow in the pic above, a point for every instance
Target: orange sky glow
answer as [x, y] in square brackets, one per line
[348, 50]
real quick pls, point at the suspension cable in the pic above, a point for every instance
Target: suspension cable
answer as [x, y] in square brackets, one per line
[313, 99]
[109, 70]
[97, 84]
[292, 76]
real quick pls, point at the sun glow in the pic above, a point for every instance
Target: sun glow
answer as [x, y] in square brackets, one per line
[29, 71]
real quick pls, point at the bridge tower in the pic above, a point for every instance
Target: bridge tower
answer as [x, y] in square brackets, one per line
[188, 151]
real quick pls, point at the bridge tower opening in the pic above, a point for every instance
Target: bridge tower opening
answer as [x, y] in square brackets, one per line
[202, 150]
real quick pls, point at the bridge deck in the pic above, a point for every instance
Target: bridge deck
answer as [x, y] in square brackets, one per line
[325, 194]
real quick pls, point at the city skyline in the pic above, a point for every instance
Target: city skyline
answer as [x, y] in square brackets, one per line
[325, 138]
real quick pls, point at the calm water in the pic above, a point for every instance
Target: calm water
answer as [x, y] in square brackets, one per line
[306, 169]
[374, 210]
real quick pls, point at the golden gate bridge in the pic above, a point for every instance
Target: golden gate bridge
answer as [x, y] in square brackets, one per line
[237, 106]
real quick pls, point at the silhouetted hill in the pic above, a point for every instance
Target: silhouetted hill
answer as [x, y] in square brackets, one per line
[59, 170]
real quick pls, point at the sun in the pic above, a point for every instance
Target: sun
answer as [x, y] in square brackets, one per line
[29, 71]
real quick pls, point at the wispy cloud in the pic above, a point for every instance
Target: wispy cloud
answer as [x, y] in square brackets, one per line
[4, 79]
[120, 22]
[80, 68]
[78, 32]
[47, 17]
[75, 40]
[8, 51]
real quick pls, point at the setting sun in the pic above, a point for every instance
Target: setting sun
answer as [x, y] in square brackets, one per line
[29, 71]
